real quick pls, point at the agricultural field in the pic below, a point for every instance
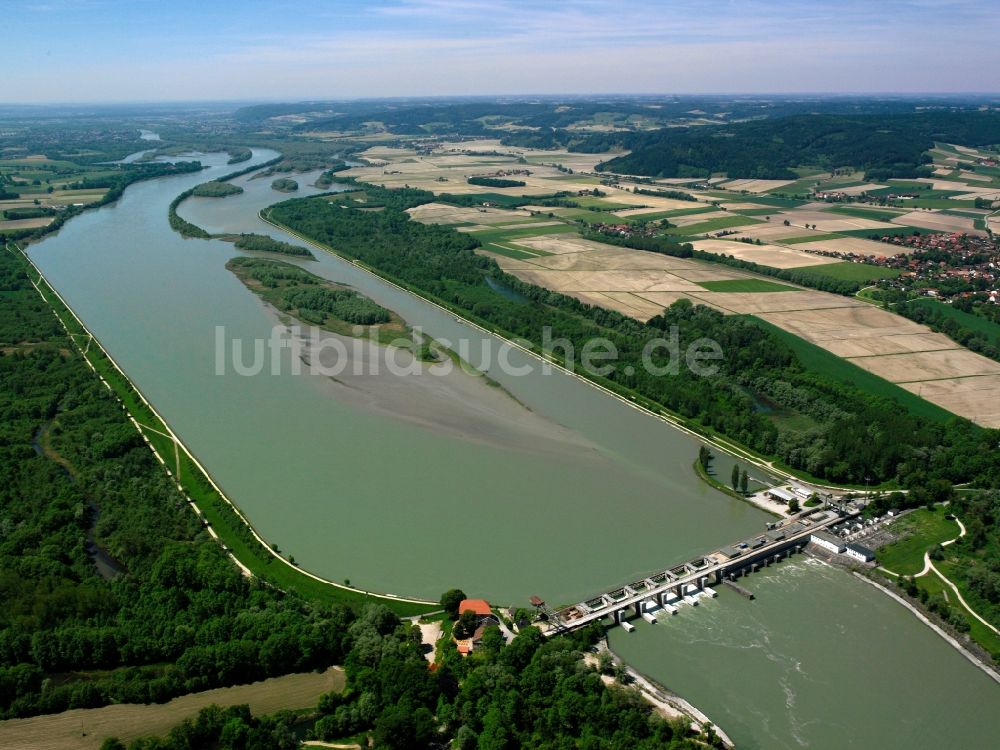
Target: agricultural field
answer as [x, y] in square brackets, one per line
[87, 728]
[540, 244]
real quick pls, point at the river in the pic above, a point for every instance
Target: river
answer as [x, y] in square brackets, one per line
[355, 493]
[818, 660]
[413, 506]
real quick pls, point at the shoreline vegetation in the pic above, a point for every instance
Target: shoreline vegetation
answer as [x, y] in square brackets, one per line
[188, 230]
[313, 300]
[704, 474]
[223, 520]
[215, 189]
[261, 243]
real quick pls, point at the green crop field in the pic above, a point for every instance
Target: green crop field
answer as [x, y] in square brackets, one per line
[865, 213]
[820, 360]
[500, 234]
[886, 232]
[848, 271]
[810, 238]
[966, 320]
[714, 225]
[746, 285]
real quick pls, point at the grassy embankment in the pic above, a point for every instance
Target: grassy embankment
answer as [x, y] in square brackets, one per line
[921, 532]
[219, 514]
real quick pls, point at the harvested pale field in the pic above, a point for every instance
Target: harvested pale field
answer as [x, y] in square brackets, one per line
[442, 213]
[607, 281]
[759, 303]
[755, 186]
[850, 319]
[597, 261]
[529, 225]
[87, 728]
[993, 195]
[943, 171]
[994, 224]
[41, 221]
[666, 299]
[826, 221]
[722, 273]
[692, 219]
[628, 304]
[566, 243]
[917, 366]
[973, 176]
[745, 206]
[976, 397]
[661, 204]
[640, 284]
[776, 256]
[938, 222]
[891, 344]
[855, 245]
[858, 189]
[938, 184]
[772, 231]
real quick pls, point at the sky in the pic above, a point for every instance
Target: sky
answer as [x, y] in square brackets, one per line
[184, 50]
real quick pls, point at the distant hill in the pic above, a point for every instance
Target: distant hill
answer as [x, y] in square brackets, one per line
[882, 145]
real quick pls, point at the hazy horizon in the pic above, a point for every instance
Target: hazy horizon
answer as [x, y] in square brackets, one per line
[107, 51]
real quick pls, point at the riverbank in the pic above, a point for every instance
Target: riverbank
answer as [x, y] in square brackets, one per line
[755, 499]
[950, 640]
[221, 517]
[667, 702]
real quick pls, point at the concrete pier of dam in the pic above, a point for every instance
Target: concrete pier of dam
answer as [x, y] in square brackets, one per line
[679, 581]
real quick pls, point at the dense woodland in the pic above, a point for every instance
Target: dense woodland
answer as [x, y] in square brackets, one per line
[216, 189]
[262, 243]
[852, 436]
[883, 146]
[307, 296]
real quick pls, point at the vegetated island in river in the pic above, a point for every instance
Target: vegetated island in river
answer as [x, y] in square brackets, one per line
[285, 185]
[261, 243]
[316, 301]
[216, 189]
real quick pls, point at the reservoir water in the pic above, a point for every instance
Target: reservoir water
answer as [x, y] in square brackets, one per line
[356, 493]
[561, 492]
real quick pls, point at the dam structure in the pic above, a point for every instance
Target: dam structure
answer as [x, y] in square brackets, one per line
[689, 581]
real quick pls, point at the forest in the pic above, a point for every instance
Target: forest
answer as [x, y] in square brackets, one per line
[261, 243]
[853, 435]
[882, 146]
[174, 615]
[495, 182]
[216, 189]
[309, 297]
